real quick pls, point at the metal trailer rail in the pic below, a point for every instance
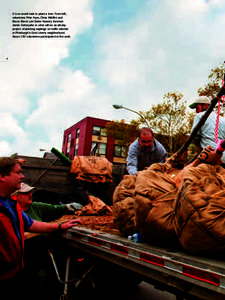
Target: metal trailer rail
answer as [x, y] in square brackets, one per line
[178, 271]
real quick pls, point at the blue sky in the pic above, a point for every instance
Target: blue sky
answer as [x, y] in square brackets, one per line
[120, 52]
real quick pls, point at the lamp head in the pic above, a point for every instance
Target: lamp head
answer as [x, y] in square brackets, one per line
[116, 106]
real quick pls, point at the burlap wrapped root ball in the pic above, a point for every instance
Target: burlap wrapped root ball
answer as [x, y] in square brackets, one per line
[200, 209]
[155, 194]
[123, 206]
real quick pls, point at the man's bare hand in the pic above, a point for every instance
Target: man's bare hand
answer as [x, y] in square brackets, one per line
[70, 224]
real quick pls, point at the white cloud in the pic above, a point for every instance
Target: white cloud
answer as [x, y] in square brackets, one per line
[76, 98]
[191, 7]
[168, 48]
[5, 149]
[75, 90]
[10, 127]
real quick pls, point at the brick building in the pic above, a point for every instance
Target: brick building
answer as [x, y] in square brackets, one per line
[89, 135]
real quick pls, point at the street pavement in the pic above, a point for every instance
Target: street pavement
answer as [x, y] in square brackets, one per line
[143, 291]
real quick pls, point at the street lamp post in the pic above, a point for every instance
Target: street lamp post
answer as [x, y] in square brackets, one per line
[3, 59]
[116, 106]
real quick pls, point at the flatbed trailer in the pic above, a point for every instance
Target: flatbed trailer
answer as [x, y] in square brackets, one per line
[183, 274]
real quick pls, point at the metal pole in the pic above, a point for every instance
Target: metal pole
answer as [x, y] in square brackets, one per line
[134, 111]
[67, 276]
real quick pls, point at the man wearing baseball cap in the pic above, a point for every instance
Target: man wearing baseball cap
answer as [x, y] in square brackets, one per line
[200, 104]
[40, 211]
[206, 134]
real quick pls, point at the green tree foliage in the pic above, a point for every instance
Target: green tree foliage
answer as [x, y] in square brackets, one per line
[170, 121]
[214, 84]
[122, 132]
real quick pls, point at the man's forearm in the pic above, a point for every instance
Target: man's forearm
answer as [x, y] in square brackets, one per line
[43, 227]
[132, 160]
[132, 170]
[50, 227]
[132, 164]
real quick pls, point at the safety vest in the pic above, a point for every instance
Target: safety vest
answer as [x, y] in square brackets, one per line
[11, 248]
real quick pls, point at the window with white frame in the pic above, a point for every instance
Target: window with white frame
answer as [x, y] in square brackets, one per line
[120, 151]
[100, 131]
[100, 149]
[68, 144]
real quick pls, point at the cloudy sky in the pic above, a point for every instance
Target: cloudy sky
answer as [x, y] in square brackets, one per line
[120, 52]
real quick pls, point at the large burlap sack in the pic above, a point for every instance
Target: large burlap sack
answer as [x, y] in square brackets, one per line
[123, 206]
[96, 207]
[155, 194]
[92, 169]
[200, 209]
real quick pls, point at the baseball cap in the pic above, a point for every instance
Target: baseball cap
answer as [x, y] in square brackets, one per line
[25, 188]
[200, 100]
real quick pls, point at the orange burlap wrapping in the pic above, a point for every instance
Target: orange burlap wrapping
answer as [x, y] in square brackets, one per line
[123, 206]
[200, 209]
[92, 169]
[154, 204]
[96, 207]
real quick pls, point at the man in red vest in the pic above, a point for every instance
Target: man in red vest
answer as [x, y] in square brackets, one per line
[13, 223]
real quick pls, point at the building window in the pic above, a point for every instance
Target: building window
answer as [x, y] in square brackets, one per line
[68, 144]
[100, 131]
[75, 149]
[101, 148]
[120, 151]
[103, 132]
[77, 133]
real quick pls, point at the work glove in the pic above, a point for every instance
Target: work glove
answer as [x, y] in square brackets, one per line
[175, 159]
[208, 156]
[74, 206]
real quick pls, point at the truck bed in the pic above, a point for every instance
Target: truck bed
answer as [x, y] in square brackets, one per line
[202, 277]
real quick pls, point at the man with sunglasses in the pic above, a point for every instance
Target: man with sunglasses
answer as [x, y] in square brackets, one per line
[144, 151]
[206, 135]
